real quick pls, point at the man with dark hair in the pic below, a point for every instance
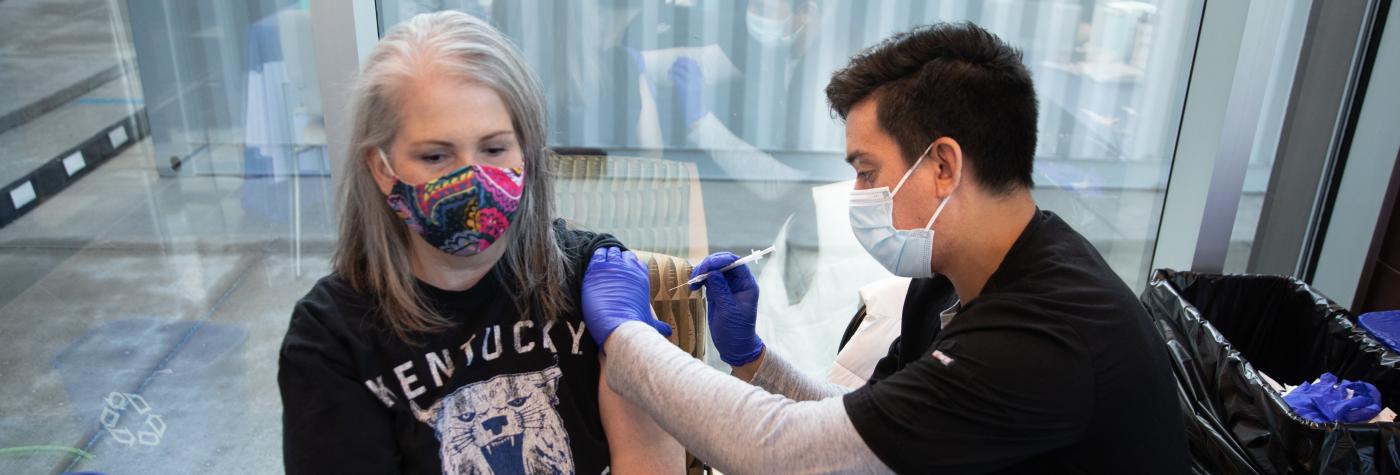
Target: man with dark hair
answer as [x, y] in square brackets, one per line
[948, 80]
[1021, 351]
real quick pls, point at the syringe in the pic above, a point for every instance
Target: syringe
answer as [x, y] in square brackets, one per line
[753, 256]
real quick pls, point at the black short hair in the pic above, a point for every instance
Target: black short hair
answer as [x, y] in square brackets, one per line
[949, 80]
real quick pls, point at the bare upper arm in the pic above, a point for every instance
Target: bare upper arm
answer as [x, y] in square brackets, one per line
[637, 444]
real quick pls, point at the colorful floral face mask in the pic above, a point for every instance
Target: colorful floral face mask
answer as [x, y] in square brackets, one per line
[462, 213]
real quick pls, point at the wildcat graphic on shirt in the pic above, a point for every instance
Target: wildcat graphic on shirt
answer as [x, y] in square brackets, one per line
[506, 424]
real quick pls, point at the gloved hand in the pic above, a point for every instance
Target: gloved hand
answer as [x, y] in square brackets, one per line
[690, 88]
[615, 291]
[733, 298]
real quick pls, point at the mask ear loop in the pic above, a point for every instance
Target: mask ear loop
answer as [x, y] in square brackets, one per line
[939, 211]
[911, 171]
[385, 158]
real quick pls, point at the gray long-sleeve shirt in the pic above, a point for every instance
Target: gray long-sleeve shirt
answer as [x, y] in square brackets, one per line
[779, 377]
[737, 427]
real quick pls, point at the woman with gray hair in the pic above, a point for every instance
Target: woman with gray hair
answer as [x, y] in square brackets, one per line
[449, 338]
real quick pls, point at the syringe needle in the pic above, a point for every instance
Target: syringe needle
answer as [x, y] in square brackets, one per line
[753, 256]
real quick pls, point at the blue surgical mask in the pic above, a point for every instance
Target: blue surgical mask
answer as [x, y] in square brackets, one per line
[905, 253]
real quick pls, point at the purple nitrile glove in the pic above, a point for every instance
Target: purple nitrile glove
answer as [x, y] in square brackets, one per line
[733, 298]
[1330, 399]
[690, 88]
[616, 291]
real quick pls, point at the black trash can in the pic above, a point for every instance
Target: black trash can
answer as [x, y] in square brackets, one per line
[1223, 330]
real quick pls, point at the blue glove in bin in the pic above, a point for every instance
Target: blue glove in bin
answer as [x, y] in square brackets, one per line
[1335, 400]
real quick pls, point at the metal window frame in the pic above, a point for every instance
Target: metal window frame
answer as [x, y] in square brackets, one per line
[1350, 212]
[1198, 186]
[1197, 219]
[1312, 150]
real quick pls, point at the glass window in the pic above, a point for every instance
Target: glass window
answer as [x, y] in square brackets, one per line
[169, 194]
[178, 207]
[732, 92]
[1289, 20]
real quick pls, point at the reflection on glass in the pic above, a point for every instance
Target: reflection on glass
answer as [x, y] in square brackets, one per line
[141, 307]
[1284, 24]
[736, 88]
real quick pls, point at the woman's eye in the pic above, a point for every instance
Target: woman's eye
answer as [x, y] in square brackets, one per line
[435, 157]
[495, 151]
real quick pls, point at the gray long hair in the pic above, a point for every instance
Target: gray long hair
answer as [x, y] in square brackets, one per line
[373, 250]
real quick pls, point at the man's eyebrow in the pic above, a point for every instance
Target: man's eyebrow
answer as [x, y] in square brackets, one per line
[855, 154]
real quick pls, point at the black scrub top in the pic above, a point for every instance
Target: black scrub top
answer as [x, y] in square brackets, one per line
[1054, 368]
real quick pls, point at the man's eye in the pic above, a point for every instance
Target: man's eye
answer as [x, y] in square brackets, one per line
[865, 177]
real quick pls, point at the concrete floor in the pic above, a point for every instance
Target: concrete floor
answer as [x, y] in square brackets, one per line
[166, 288]
[33, 143]
[52, 51]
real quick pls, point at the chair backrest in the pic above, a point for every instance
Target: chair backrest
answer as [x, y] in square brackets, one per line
[650, 204]
[682, 309]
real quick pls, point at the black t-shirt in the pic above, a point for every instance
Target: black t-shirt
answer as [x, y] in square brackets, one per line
[495, 394]
[1054, 368]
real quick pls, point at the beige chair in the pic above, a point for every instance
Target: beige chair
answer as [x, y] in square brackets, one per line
[682, 309]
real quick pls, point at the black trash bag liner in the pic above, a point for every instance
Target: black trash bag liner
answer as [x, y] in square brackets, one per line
[1221, 331]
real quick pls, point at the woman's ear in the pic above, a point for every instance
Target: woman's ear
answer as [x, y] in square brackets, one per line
[948, 155]
[383, 177]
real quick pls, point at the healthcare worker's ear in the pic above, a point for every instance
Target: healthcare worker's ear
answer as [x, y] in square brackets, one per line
[383, 177]
[947, 156]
